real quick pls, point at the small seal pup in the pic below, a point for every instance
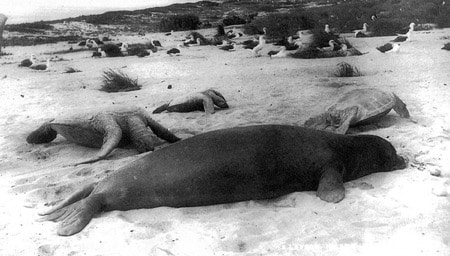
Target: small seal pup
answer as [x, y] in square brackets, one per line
[204, 100]
[231, 165]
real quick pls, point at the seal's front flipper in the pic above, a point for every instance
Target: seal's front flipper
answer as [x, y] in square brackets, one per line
[208, 104]
[331, 187]
[160, 108]
[142, 138]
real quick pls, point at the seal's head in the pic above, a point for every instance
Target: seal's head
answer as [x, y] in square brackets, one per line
[217, 98]
[373, 154]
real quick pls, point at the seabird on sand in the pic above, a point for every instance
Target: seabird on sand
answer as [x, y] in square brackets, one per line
[173, 51]
[400, 39]
[361, 32]
[327, 28]
[227, 47]
[260, 46]
[388, 48]
[44, 67]
[343, 47]
[28, 62]
[124, 47]
[99, 53]
[96, 54]
[411, 28]
[170, 33]
[405, 37]
[279, 54]
[157, 43]
[250, 44]
[328, 48]
[288, 42]
[91, 43]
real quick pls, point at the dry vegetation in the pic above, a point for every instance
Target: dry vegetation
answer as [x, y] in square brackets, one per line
[117, 81]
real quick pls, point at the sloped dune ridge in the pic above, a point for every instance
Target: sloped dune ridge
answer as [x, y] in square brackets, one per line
[393, 213]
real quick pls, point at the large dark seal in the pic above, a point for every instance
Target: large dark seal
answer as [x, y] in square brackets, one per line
[231, 165]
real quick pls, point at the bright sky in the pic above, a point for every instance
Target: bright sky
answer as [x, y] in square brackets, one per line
[19, 11]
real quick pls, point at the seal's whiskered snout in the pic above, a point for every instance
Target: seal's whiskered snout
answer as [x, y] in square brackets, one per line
[402, 162]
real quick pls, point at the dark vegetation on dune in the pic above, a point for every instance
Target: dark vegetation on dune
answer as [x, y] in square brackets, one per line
[179, 22]
[280, 25]
[36, 40]
[346, 70]
[282, 18]
[5, 54]
[391, 17]
[116, 81]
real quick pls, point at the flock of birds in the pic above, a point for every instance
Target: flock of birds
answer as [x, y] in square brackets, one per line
[227, 44]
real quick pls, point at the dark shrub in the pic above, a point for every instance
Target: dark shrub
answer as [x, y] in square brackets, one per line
[385, 27]
[233, 20]
[29, 27]
[71, 70]
[220, 31]
[118, 82]
[322, 39]
[443, 19]
[280, 25]
[197, 35]
[346, 70]
[308, 53]
[179, 22]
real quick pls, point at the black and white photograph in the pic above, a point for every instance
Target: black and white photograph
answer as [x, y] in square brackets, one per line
[225, 127]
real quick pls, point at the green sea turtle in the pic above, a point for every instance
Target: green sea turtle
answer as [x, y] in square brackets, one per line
[195, 101]
[358, 107]
[115, 127]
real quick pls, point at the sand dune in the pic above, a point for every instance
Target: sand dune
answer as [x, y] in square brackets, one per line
[392, 213]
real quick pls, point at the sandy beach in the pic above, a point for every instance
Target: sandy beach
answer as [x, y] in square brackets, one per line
[394, 213]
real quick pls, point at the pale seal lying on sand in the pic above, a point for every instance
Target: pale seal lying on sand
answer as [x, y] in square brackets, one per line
[231, 165]
[196, 101]
[106, 130]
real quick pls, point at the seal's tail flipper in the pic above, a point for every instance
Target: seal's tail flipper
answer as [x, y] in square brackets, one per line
[77, 196]
[75, 212]
[160, 109]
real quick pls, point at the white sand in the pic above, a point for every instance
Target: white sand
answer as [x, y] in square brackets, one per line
[392, 213]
